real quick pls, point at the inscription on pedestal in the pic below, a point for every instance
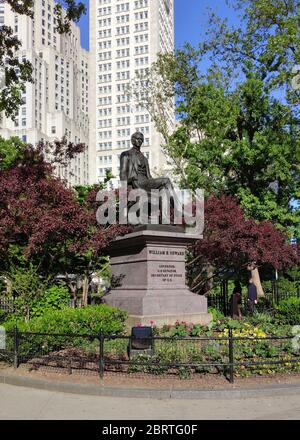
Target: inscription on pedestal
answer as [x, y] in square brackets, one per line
[168, 253]
[167, 267]
[152, 271]
[167, 273]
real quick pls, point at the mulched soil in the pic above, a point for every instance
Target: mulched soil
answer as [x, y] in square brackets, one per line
[71, 365]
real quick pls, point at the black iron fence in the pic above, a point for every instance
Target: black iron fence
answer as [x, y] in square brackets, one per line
[224, 354]
[221, 299]
[7, 305]
[10, 306]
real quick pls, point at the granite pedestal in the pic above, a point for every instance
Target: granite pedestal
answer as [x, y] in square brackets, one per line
[149, 278]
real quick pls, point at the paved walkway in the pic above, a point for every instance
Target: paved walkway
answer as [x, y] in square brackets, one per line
[31, 404]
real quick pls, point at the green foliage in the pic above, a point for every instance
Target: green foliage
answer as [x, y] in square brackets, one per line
[146, 364]
[251, 345]
[288, 311]
[83, 191]
[87, 320]
[117, 348]
[262, 319]
[265, 306]
[234, 137]
[3, 316]
[242, 148]
[16, 73]
[216, 314]
[265, 39]
[55, 297]
[168, 354]
[10, 151]
[196, 331]
[27, 286]
[234, 324]
[74, 11]
[175, 356]
[284, 286]
[180, 330]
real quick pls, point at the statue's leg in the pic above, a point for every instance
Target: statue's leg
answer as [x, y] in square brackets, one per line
[163, 183]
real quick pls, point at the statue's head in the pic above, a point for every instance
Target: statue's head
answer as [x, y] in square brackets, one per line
[137, 139]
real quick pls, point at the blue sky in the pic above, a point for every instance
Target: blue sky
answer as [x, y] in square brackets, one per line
[190, 20]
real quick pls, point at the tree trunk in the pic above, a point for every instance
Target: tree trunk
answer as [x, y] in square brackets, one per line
[72, 285]
[210, 273]
[256, 280]
[85, 290]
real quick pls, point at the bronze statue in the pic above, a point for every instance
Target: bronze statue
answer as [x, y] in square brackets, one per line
[135, 170]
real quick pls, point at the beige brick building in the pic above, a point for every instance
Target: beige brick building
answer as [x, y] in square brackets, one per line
[57, 103]
[125, 38]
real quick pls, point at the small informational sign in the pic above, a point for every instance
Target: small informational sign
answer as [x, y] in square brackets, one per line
[2, 338]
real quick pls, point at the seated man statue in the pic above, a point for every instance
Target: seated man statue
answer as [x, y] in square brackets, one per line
[134, 168]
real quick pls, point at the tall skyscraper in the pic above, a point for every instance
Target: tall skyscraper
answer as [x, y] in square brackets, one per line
[125, 38]
[56, 104]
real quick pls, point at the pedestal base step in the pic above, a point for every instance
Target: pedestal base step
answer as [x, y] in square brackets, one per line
[161, 320]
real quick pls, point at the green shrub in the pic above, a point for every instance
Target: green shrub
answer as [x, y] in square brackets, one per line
[27, 286]
[265, 305]
[288, 311]
[144, 363]
[216, 314]
[261, 319]
[89, 320]
[3, 316]
[234, 324]
[54, 298]
[197, 330]
[180, 330]
[284, 285]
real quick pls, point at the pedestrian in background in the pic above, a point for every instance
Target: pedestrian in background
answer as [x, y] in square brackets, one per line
[236, 301]
[252, 297]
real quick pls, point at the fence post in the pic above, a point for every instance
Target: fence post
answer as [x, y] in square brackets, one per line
[16, 347]
[101, 361]
[231, 356]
